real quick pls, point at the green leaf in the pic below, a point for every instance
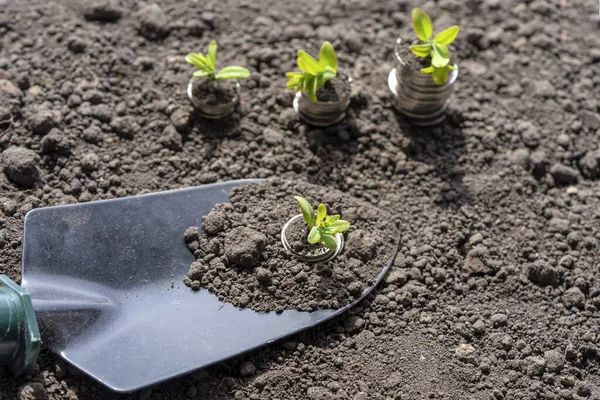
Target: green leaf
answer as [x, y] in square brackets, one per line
[328, 241]
[320, 80]
[327, 57]
[233, 72]
[307, 210]
[333, 218]
[309, 64]
[328, 74]
[200, 73]
[305, 82]
[302, 65]
[437, 60]
[428, 70]
[452, 67]
[195, 60]
[421, 50]
[338, 226]
[440, 75]
[205, 61]
[296, 80]
[295, 83]
[313, 89]
[422, 24]
[441, 56]
[211, 56]
[314, 236]
[310, 87]
[442, 49]
[446, 36]
[321, 213]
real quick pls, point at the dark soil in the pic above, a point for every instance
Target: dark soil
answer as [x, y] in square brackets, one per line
[334, 90]
[495, 291]
[271, 279]
[215, 93]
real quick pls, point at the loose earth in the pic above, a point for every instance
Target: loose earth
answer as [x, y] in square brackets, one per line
[215, 93]
[495, 291]
[334, 90]
[239, 255]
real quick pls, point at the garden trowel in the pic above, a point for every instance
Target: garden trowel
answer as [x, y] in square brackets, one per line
[102, 283]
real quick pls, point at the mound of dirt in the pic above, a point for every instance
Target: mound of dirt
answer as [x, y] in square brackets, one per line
[239, 255]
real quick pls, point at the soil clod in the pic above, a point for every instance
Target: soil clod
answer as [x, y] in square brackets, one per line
[21, 166]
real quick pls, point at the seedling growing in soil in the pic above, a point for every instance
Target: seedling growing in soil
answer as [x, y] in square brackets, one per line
[315, 73]
[436, 48]
[206, 65]
[323, 227]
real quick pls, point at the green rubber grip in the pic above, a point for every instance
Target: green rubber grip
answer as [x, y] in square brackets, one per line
[19, 334]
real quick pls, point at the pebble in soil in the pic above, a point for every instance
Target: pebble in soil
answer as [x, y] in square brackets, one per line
[239, 255]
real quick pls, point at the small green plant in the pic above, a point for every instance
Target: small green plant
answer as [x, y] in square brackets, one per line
[436, 47]
[207, 65]
[322, 226]
[315, 73]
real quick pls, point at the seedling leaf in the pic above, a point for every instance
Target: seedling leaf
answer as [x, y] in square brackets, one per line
[328, 73]
[195, 60]
[441, 56]
[205, 62]
[327, 57]
[323, 228]
[309, 64]
[339, 226]
[422, 24]
[446, 36]
[314, 236]
[307, 210]
[421, 50]
[315, 73]
[321, 213]
[333, 218]
[329, 241]
[211, 56]
[313, 89]
[293, 83]
[207, 65]
[435, 47]
[233, 72]
[310, 87]
[440, 75]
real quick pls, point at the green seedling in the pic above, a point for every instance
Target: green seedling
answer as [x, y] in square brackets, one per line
[323, 227]
[315, 73]
[206, 65]
[435, 47]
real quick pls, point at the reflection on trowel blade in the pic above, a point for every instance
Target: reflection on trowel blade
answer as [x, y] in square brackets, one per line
[64, 309]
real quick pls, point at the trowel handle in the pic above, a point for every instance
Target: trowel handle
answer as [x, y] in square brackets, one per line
[19, 334]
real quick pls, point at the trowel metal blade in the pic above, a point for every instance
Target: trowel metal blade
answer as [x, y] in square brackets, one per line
[106, 282]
